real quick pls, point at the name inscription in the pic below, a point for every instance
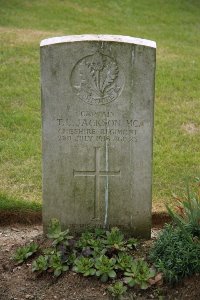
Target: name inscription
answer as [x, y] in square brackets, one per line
[97, 127]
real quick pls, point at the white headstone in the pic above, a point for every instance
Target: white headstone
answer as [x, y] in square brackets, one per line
[97, 112]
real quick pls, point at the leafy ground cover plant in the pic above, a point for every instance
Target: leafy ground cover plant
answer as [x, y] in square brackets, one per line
[57, 265]
[105, 268]
[124, 261]
[85, 266]
[23, 253]
[176, 252]
[138, 274]
[41, 263]
[58, 236]
[174, 255]
[85, 240]
[131, 243]
[115, 239]
[104, 254]
[92, 243]
[53, 261]
[117, 289]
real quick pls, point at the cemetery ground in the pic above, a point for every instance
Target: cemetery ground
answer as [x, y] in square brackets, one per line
[175, 28]
[17, 281]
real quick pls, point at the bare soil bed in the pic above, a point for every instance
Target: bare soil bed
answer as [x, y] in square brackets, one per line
[19, 283]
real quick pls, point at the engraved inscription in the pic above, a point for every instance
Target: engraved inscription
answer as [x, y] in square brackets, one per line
[97, 79]
[91, 127]
[97, 174]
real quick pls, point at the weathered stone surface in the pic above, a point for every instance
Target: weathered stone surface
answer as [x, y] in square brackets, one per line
[97, 112]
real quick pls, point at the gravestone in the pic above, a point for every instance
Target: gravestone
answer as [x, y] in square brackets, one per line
[97, 113]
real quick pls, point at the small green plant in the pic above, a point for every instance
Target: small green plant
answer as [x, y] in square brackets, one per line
[71, 258]
[49, 251]
[138, 274]
[57, 265]
[59, 236]
[186, 214]
[131, 243]
[105, 268]
[175, 255]
[99, 233]
[124, 261]
[115, 239]
[54, 228]
[95, 245]
[67, 254]
[90, 245]
[23, 253]
[85, 266]
[85, 240]
[117, 289]
[41, 263]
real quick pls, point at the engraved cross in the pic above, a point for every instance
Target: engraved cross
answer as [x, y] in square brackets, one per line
[97, 173]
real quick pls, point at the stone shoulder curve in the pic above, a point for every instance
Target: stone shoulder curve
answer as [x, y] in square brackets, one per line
[100, 38]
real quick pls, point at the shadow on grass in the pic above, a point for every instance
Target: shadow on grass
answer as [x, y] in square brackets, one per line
[14, 211]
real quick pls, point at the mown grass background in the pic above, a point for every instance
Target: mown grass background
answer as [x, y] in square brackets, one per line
[173, 24]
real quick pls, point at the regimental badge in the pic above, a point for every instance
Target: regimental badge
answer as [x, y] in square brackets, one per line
[97, 79]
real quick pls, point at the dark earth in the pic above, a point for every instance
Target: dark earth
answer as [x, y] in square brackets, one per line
[19, 283]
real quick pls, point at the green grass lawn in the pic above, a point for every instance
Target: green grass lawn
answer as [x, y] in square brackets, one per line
[174, 25]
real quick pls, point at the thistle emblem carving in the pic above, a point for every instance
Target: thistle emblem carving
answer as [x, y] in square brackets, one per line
[96, 79]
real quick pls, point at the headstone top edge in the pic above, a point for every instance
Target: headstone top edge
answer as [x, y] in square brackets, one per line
[100, 38]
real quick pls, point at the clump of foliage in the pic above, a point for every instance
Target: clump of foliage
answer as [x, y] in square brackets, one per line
[58, 236]
[54, 260]
[176, 252]
[132, 244]
[105, 268]
[186, 214]
[91, 243]
[40, 264]
[138, 274]
[175, 255]
[61, 256]
[57, 264]
[23, 253]
[115, 239]
[85, 266]
[117, 289]
[124, 261]
[104, 254]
